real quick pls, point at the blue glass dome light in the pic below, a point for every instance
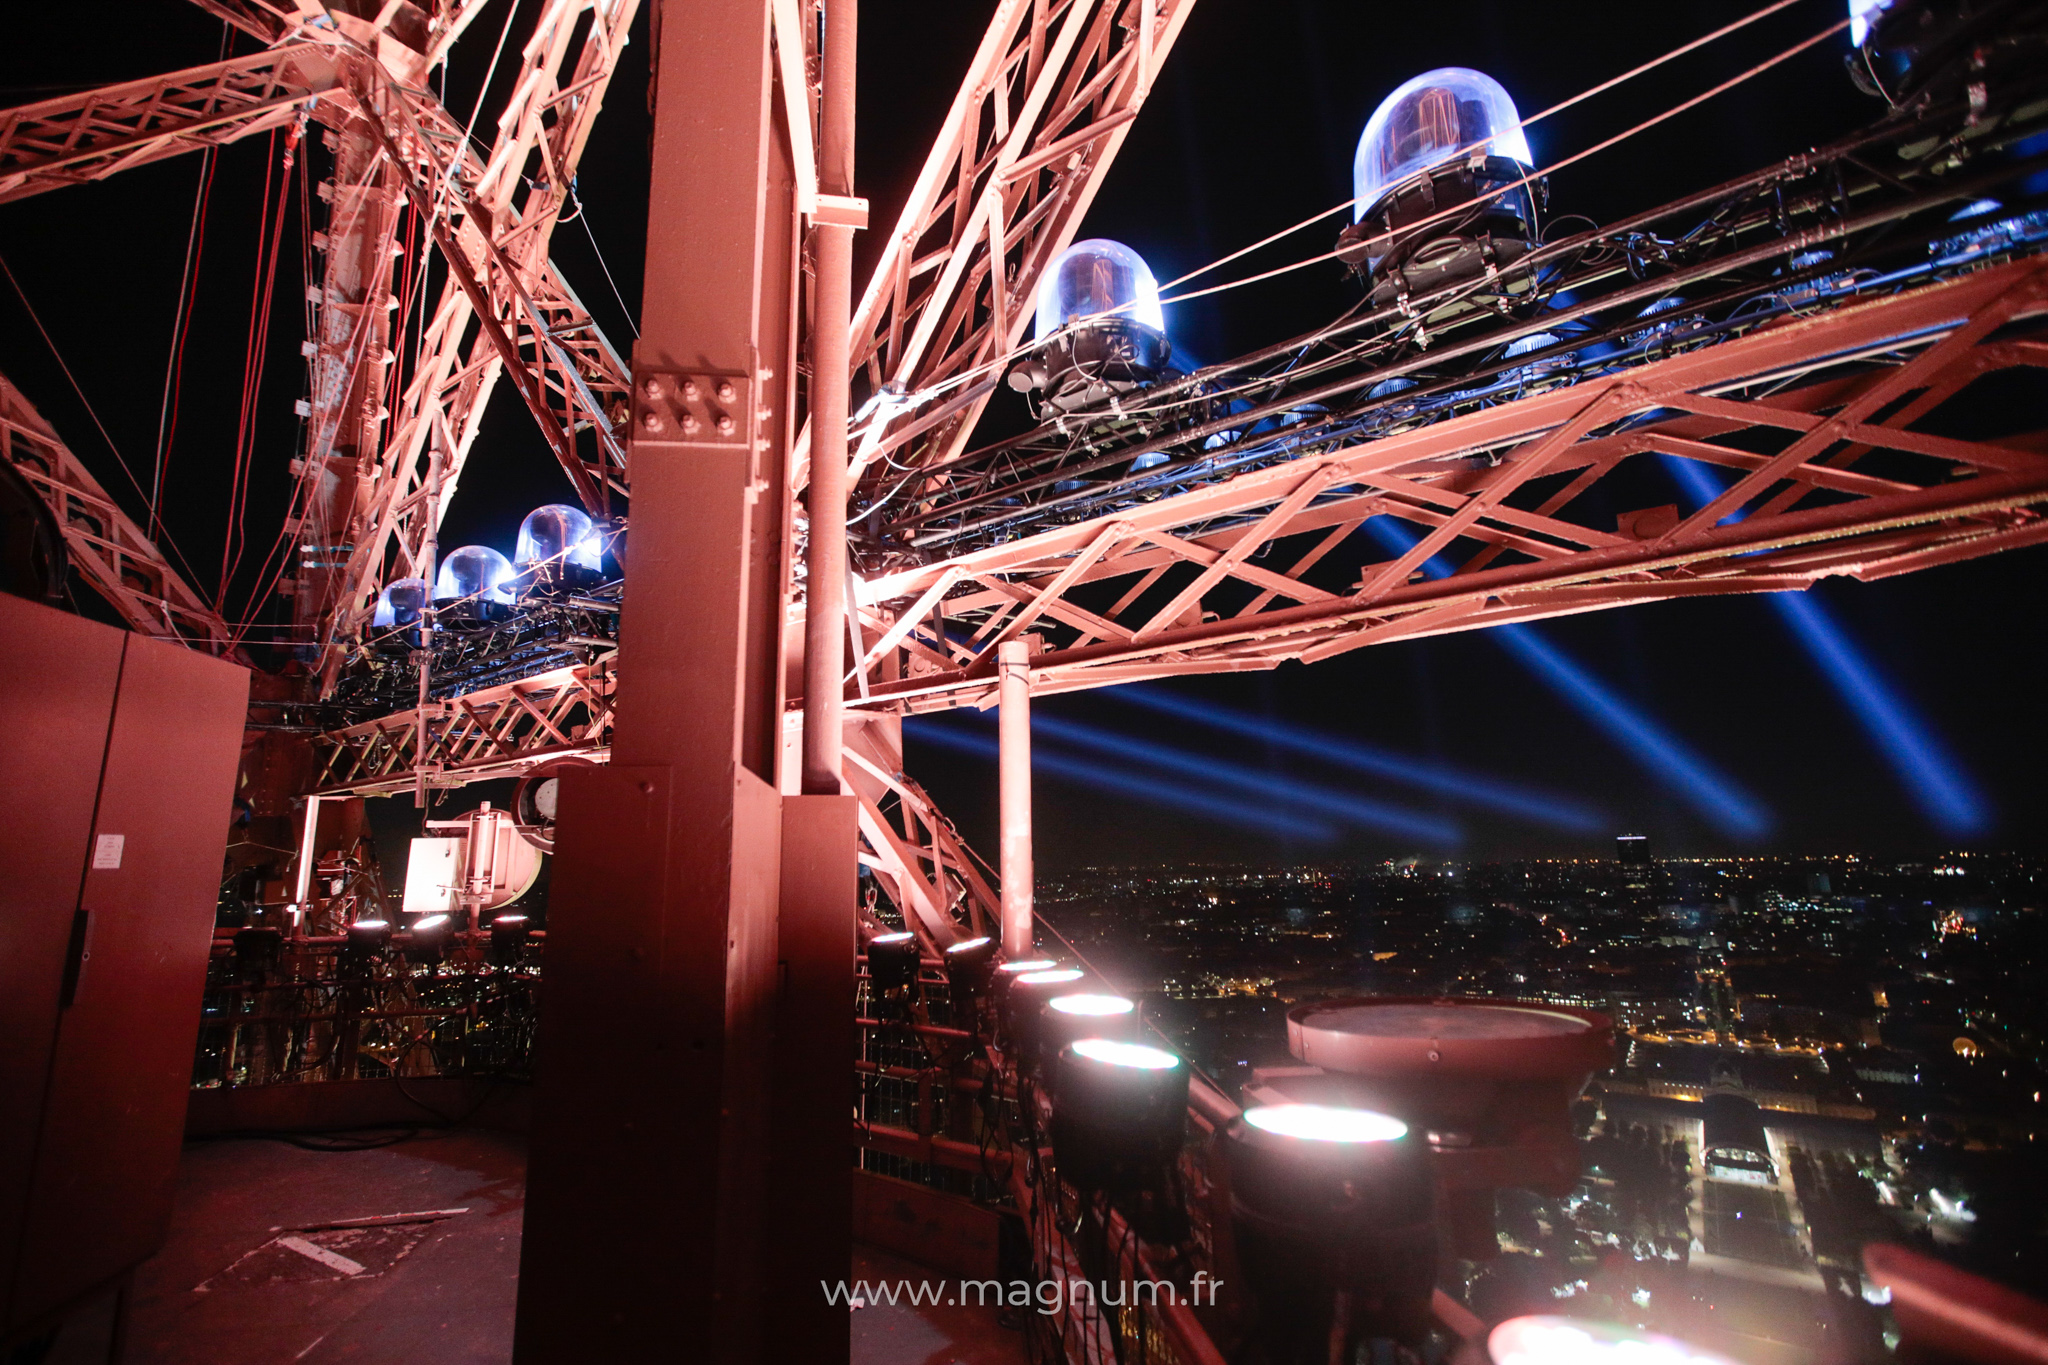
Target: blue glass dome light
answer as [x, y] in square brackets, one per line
[1097, 277]
[1453, 112]
[400, 604]
[558, 536]
[476, 573]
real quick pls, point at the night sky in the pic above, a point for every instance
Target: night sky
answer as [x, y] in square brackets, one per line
[1251, 127]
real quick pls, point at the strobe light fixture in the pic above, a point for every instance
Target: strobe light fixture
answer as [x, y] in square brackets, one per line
[970, 972]
[559, 546]
[1334, 1210]
[892, 965]
[1119, 1113]
[1545, 1340]
[509, 935]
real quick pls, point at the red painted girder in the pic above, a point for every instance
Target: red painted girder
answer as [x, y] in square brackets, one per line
[107, 549]
[89, 136]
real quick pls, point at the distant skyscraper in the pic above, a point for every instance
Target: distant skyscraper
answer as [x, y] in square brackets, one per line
[1632, 850]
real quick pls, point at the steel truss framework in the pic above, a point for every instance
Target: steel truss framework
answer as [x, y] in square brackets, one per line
[1251, 571]
[1042, 111]
[368, 513]
[110, 551]
[1851, 489]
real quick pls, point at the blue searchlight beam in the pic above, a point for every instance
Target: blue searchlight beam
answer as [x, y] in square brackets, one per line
[1154, 791]
[1937, 783]
[1315, 801]
[1528, 803]
[1713, 796]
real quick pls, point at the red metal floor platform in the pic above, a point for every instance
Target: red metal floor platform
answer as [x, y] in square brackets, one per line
[270, 1262]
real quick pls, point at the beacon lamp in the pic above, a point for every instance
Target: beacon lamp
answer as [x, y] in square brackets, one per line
[1069, 1017]
[428, 940]
[1438, 186]
[1100, 328]
[1020, 1004]
[892, 963]
[474, 585]
[559, 546]
[1543, 1340]
[970, 972]
[509, 935]
[1119, 1114]
[400, 606]
[1334, 1209]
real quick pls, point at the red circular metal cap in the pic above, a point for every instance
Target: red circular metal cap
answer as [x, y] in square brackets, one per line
[1394, 1037]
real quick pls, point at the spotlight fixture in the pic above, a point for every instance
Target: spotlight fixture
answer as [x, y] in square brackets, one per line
[1334, 1209]
[1068, 1018]
[970, 971]
[367, 936]
[428, 940]
[508, 939]
[1119, 1113]
[1544, 1340]
[892, 963]
[1022, 1001]
[1010, 971]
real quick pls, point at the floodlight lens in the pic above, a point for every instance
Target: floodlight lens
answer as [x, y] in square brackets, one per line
[1125, 1054]
[1326, 1123]
[968, 944]
[1095, 1006]
[1036, 964]
[891, 938]
[1052, 978]
[430, 922]
[1571, 1341]
[371, 924]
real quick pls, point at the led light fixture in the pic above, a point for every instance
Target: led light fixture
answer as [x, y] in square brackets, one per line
[892, 964]
[508, 939]
[369, 935]
[1335, 1212]
[1068, 1017]
[428, 940]
[970, 971]
[1544, 1340]
[1119, 1113]
[1022, 1001]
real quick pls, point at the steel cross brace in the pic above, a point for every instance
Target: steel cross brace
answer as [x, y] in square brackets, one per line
[1834, 510]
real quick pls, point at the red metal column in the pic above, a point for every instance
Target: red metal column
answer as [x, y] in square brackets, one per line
[1013, 766]
[825, 550]
[647, 1208]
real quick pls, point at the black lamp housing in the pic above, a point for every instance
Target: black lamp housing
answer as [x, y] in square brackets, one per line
[1327, 1225]
[892, 964]
[1119, 1115]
